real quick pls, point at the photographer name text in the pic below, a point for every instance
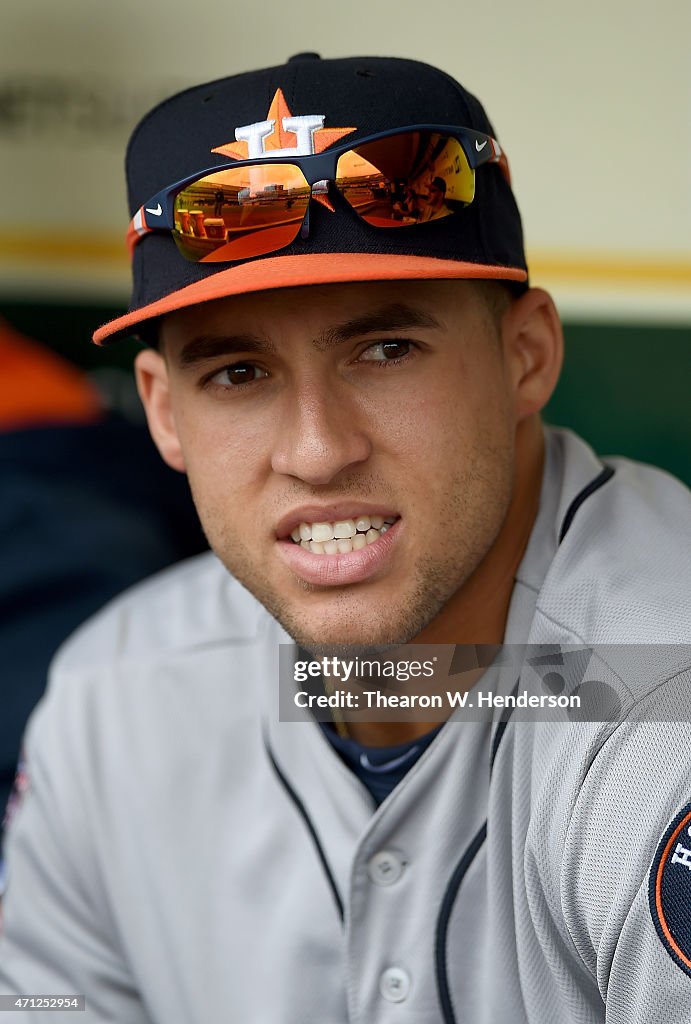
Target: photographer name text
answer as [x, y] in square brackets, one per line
[450, 700]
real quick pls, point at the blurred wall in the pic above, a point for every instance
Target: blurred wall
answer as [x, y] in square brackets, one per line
[590, 100]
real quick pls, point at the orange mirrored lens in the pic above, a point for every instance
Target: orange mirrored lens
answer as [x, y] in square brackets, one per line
[240, 212]
[406, 179]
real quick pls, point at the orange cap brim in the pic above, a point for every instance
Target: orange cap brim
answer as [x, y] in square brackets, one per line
[299, 271]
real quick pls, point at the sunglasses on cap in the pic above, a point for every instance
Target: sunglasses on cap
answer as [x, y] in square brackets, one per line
[249, 208]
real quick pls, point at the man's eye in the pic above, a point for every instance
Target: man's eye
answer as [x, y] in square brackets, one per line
[385, 351]
[239, 373]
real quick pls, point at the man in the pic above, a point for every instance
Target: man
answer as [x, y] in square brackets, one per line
[436, 194]
[356, 404]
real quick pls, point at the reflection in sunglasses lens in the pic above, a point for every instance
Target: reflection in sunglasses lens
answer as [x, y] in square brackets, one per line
[241, 212]
[406, 179]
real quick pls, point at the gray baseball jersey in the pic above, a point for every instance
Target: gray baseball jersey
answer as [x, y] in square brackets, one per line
[182, 857]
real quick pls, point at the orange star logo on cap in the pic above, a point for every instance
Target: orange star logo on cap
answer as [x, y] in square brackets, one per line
[282, 133]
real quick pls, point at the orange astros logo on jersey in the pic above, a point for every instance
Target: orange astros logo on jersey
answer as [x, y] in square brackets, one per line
[282, 134]
[670, 889]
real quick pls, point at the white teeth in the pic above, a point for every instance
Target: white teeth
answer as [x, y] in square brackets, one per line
[322, 532]
[342, 536]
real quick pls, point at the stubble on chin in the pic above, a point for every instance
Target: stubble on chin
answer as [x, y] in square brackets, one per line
[364, 614]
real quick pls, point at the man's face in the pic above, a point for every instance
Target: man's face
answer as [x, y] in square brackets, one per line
[334, 405]
[435, 197]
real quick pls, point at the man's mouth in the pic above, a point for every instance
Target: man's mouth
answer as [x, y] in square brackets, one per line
[359, 543]
[342, 536]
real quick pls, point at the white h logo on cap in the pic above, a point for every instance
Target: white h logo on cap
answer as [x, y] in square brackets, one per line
[304, 126]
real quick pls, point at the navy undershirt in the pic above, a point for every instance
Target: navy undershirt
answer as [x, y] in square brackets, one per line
[380, 769]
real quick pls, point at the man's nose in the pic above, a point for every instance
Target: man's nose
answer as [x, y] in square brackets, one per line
[320, 433]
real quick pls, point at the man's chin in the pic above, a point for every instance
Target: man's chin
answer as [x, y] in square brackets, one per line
[324, 641]
[364, 630]
[367, 615]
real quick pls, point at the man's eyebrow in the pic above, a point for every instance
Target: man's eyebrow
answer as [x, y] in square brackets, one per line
[211, 346]
[396, 317]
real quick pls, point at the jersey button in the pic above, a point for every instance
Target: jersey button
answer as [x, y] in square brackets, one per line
[394, 984]
[385, 867]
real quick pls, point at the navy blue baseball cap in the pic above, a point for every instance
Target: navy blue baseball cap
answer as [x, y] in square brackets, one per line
[349, 98]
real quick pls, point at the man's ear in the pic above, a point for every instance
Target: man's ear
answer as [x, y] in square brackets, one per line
[534, 347]
[154, 390]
